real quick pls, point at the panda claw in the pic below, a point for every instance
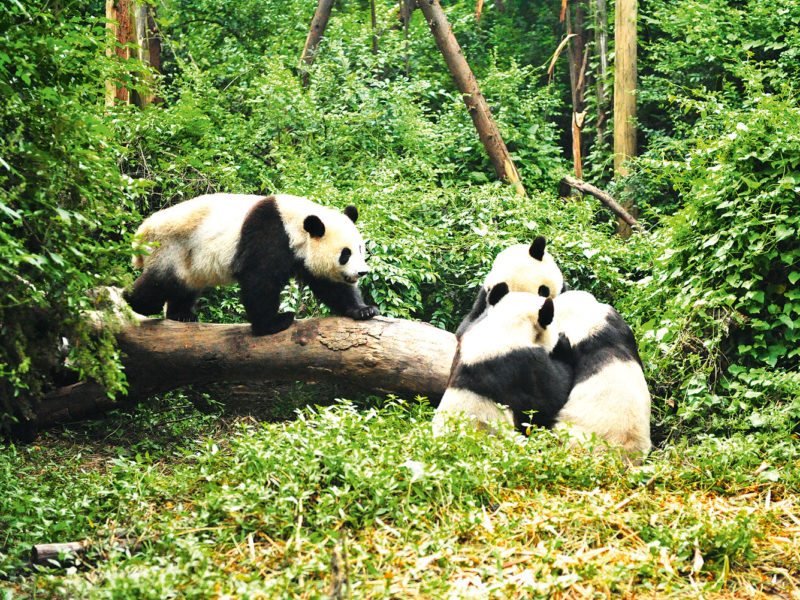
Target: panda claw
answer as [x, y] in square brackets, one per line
[363, 313]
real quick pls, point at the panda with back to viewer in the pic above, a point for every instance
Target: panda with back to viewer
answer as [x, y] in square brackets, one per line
[258, 241]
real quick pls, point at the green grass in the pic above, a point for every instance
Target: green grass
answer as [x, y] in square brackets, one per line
[236, 508]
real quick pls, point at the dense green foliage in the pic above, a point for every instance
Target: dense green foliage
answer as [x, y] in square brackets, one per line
[63, 198]
[711, 292]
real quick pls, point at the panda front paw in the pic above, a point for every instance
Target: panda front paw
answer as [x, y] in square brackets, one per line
[363, 313]
[275, 324]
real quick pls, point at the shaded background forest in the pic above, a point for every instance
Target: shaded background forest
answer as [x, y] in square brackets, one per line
[711, 291]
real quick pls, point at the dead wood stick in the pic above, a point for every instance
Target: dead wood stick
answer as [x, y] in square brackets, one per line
[587, 188]
[45, 554]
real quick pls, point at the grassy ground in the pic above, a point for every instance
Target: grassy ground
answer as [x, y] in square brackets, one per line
[361, 500]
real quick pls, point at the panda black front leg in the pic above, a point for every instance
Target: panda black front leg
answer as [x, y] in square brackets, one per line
[180, 305]
[342, 298]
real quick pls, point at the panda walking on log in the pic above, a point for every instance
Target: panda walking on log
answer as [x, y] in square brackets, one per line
[511, 366]
[523, 268]
[261, 242]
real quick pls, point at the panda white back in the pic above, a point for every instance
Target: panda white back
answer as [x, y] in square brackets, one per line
[211, 223]
[259, 242]
[609, 398]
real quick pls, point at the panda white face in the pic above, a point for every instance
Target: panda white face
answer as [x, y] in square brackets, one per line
[527, 268]
[335, 250]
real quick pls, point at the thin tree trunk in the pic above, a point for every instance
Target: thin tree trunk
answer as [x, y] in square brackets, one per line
[374, 28]
[383, 355]
[142, 26]
[601, 79]
[406, 10]
[128, 23]
[315, 33]
[578, 56]
[118, 13]
[625, 95]
[500, 5]
[468, 86]
[478, 10]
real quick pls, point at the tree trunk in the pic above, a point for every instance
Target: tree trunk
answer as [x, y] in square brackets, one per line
[374, 28]
[382, 355]
[578, 56]
[149, 51]
[118, 13]
[468, 86]
[130, 22]
[601, 78]
[625, 95]
[315, 33]
[406, 11]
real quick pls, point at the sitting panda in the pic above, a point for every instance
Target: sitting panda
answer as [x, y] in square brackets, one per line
[524, 269]
[511, 366]
[260, 242]
[609, 397]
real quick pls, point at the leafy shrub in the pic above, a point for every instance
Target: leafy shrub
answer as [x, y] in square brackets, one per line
[725, 286]
[63, 199]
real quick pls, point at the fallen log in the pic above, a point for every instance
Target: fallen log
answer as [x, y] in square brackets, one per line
[382, 355]
[604, 197]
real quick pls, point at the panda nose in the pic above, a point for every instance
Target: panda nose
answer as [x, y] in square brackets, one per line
[362, 273]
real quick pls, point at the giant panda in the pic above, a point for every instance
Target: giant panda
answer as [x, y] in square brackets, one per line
[509, 363]
[524, 268]
[609, 397]
[258, 241]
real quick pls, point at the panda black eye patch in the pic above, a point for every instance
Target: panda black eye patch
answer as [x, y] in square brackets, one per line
[345, 256]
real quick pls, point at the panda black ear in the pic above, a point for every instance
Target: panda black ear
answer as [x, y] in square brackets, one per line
[537, 247]
[546, 313]
[314, 226]
[352, 212]
[497, 292]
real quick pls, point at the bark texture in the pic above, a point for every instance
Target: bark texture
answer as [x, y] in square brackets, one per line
[120, 28]
[601, 49]
[578, 52]
[468, 86]
[132, 23]
[625, 94]
[315, 33]
[382, 355]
